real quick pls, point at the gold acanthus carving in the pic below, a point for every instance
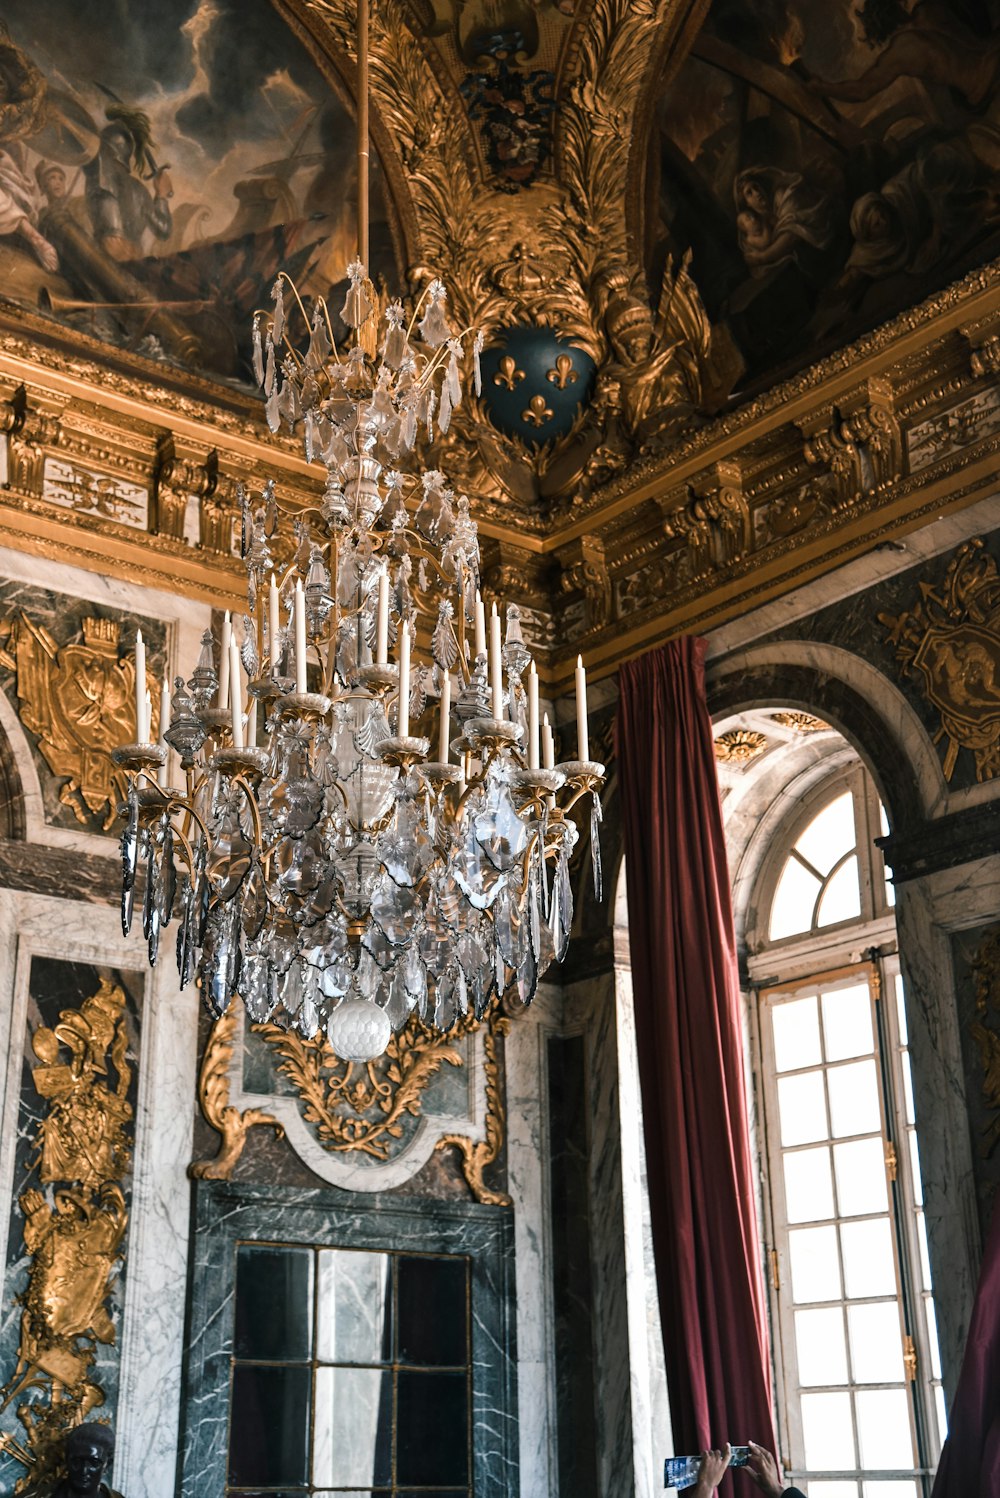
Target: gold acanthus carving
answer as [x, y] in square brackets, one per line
[476, 1156]
[181, 474]
[229, 1122]
[79, 699]
[986, 976]
[949, 642]
[74, 1236]
[353, 1107]
[711, 519]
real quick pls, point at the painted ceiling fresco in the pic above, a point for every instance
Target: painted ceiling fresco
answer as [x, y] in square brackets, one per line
[159, 163]
[829, 163]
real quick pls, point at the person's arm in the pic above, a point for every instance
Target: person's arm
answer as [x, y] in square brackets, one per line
[763, 1469]
[711, 1471]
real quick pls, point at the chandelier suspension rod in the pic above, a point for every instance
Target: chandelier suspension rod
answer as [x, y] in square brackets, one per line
[363, 152]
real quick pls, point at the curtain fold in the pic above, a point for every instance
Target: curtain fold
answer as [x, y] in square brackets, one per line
[689, 1035]
[970, 1461]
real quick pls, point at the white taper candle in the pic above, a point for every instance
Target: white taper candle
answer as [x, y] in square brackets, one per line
[403, 728]
[480, 625]
[548, 745]
[300, 638]
[533, 761]
[252, 723]
[236, 693]
[147, 719]
[582, 737]
[382, 621]
[227, 636]
[140, 687]
[443, 745]
[161, 774]
[496, 664]
[273, 623]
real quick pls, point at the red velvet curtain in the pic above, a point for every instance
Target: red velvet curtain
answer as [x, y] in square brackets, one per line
[970, 1461]
[689, 1036]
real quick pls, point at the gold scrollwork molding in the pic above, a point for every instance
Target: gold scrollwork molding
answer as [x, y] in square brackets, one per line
[858, 441]
[74, 1236]
[711, 518]
[476, 1156]
[949, 641]
[228, 1121]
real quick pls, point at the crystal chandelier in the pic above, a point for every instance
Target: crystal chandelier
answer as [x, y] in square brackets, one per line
[337, 874]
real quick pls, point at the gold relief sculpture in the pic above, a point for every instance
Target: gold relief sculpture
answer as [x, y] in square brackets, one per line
[360, 1107]
[986, 975]
[563, 374]
[228, 1121]
[950, 641]
[800, 722]
[476, 1156]
[354, 1107]
[739, 746]
[585, 568]
[79, 699]
[509, 375]
[538, 412]
[74, 1238]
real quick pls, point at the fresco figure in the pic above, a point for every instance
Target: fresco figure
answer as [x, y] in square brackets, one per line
[22, 106]
[780, 216]
[123, 211]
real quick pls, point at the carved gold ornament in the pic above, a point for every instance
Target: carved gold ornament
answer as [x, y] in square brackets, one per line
[538, 411]
[950, 641]
[476, 1155]
[986, 974]
[79, 700]
[509, 374]
[228, 1121]
[800, 722]
[74, 1235]
[563, 374]
[354, 1107]
[739, 746]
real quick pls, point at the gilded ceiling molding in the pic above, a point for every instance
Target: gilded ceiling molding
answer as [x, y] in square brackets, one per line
[476, 1156]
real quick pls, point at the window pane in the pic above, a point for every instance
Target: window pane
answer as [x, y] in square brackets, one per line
[869, 1266]
[842, 897]
[847, 1023]
[942, 1412]
[815, 1264]
[854, 1103]
[433, 1317]
[860, 1171]
[796, 1034]
[884, 1428]
[808, 1185]
[833, 1490]
[932, 1339]
[901, 1010]
[876, 1345]
[819, 1342]
[827, 1431]
[829, 835]
[802, 1108]
[273, 1303]
[794, 899]
[925, 1262]
[890, 1490]
[269, 1427]
[354, 1299]
[918, 1186]
[432, 1430]
[907, 1086]
[352, 1436]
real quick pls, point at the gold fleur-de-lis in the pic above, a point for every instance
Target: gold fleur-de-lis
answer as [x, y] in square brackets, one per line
[509, 374]
[538, 413]
[564, 374]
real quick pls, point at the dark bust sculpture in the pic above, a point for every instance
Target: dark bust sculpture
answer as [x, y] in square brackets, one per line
[88, 1450]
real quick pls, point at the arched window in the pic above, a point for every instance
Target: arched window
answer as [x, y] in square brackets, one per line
[860, 1405]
